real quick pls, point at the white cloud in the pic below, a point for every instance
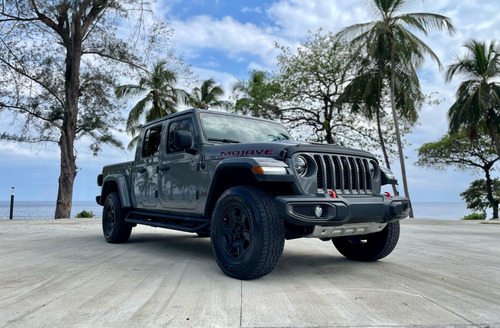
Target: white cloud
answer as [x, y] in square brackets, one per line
[297, 17]
[257, 10]
[226, 35]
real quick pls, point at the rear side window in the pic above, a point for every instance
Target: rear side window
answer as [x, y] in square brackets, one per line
[182, 125]
[151, 143]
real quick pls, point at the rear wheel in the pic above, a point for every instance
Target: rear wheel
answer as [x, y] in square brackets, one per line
[247, 235]
[370, 247]
[114, 227]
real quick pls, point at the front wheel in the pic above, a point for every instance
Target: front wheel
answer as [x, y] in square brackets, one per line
[368, 248]
[247, 235]
[114, 227]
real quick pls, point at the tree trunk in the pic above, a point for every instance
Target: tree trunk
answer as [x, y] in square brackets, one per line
[489, 195]
[73, 43]
[495, 138]
[384, 150]
[496, 142]
[396, 125]
[494, 205]
[66, 177]
[326, 123]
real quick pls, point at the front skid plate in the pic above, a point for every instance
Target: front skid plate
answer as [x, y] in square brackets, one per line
[353, 229]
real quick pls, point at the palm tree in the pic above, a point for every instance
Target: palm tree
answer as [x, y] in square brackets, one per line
[256, 96]
[477, 108]
[389, 37]
[161, 97]
[207, 95]
[368, 91]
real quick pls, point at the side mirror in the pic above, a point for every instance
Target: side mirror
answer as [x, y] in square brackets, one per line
[184, 140]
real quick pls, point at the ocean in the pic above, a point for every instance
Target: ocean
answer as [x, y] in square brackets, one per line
[45, 210]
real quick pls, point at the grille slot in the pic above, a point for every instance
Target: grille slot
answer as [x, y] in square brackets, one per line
[344, 174]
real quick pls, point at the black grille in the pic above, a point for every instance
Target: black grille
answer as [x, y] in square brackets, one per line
[343, 174]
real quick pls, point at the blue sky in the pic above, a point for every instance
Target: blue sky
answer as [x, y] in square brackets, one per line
[225, 40]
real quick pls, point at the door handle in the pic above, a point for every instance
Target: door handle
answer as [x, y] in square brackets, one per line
[141, 170]
[164, 168]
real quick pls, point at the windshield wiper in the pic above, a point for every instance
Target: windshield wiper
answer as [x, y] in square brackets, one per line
[224, 140]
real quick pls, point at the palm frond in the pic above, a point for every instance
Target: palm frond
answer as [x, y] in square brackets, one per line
[128, 90]
[414, 46]
[133, 142]
[425, 22]
[135, 113]
[354, 31]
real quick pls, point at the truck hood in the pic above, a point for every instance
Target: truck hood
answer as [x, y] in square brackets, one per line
[277, 149]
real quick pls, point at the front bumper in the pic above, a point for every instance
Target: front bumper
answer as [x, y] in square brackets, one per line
[326, 211]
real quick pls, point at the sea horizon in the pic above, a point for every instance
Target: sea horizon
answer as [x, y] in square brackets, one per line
[46, 210]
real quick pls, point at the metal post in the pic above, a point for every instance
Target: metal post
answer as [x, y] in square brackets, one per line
[12, 203]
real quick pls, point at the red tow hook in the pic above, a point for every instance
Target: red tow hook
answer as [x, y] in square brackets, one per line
[332, 193]
[388, 194]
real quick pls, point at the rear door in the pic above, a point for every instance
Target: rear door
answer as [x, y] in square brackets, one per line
[145, 171]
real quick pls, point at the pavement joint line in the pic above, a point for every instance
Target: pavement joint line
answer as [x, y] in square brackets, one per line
[241, 303]
[417, 293]
[442, 306]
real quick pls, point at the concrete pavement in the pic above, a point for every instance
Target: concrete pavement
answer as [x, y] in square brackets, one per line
[62, 273]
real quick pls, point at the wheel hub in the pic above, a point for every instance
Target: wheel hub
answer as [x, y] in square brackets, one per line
[235, 232]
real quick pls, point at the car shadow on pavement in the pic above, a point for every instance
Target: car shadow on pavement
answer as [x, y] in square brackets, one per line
[165, 244]
[298, 260]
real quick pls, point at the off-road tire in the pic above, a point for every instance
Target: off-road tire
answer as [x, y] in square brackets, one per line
[114, 227]
[247, 235]
[370, 247]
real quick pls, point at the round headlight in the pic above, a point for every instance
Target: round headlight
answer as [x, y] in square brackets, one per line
[300, 165]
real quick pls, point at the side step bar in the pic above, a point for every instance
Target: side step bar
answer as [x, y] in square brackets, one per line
[174, 222]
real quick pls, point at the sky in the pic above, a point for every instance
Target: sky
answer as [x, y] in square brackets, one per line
[225, 39]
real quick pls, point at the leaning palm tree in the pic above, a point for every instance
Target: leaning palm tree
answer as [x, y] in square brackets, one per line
[160, 98]
[368, 91]
[477, 108]
[390, 37]
[207, 95]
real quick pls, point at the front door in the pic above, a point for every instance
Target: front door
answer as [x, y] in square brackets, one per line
[178, 171]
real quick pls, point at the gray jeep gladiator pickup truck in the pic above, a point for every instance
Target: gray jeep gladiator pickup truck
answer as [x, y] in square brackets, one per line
[245, 184]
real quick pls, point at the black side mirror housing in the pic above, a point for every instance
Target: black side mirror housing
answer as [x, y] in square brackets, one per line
[184, 140]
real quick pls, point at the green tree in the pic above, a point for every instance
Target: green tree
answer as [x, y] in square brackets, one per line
[391, 37]
[160, 97]
[257, 96]
[311, 81]
[477, 107]
[208, 94]
[465, 154]
[476, 196]
[59, 61]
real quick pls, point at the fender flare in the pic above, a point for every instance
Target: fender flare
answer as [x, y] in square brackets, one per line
[247, 164]
[123, 189]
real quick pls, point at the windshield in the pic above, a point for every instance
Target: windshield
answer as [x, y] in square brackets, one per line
[234, 129]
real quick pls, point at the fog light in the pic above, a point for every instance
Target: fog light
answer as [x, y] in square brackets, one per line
[318, 211]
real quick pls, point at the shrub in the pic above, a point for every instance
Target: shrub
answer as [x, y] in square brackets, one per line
[85, 214]
[475, 216]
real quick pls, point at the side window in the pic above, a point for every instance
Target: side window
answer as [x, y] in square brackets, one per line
[182, 125]
[151, 143]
